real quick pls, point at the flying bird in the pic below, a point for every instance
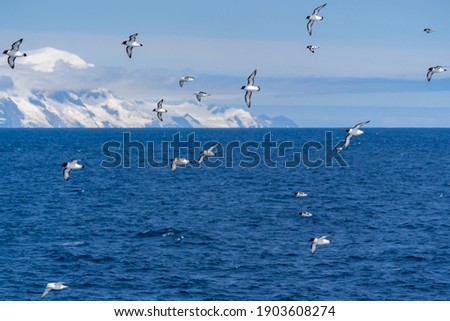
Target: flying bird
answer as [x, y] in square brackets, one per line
[159, 110]
[14, 52]
[436, 69]
[321, 240]
[177, 161]
[300, 194]
[312, 48]
[73, 164]
[185, 79]
[200, 95]
[207, 153]
[354, 131]
[131, 43]
[250, 88]
[314, 17]
[53, 286]
[305, 214]
[428, 30]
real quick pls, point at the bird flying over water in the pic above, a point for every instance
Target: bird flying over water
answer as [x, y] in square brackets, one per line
[321, 240]
[177, 161]
[73, 164]
[207, 153]
[53, 286]
[354, 131]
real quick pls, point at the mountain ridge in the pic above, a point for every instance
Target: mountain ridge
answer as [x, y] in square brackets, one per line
[39, 94]
[101, 108]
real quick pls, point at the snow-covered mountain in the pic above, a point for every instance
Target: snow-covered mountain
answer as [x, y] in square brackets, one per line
[102, 108]
[25, 101]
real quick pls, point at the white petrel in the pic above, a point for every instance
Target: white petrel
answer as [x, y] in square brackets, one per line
[131, 43]
[177, 161]
[428, 30]
[200, 95]
[185, 79]
[207, 153]
[300, 194]
[321, 240]
[314, 17]
[159, 110]
[73, 164]
[305, 214]
[250, 88]
[53, 286]
[14, 52]
[312, 48]
[355, 131]
[432, 70]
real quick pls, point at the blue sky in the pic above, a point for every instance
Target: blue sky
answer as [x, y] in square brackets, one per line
[371, 63]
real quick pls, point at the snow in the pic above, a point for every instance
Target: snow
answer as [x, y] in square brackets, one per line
[102, 108]
[35, 106]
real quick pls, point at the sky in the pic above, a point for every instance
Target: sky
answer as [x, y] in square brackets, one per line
[371, 64]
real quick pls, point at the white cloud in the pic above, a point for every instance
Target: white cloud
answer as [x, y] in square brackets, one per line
[46, 60]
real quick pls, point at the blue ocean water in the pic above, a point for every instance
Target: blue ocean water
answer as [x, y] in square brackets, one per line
[226, 233]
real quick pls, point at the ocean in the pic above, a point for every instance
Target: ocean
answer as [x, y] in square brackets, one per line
[126, 228]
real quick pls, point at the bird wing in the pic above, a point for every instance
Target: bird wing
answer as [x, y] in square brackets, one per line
[359, 125]
[200, 160]
[11, 61]
[129, 51]
[251, 78]
[316, 11]
[212, 147]
[46, 291]
[66, 172]
[248, 97]
[159, 105]
[347, 140]
[173, 167]
[159, 115]
[309, 26]
[313, 247]
[199, 98]
[15, 46]
[430, 73]
[133, 37]
[181, 82]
